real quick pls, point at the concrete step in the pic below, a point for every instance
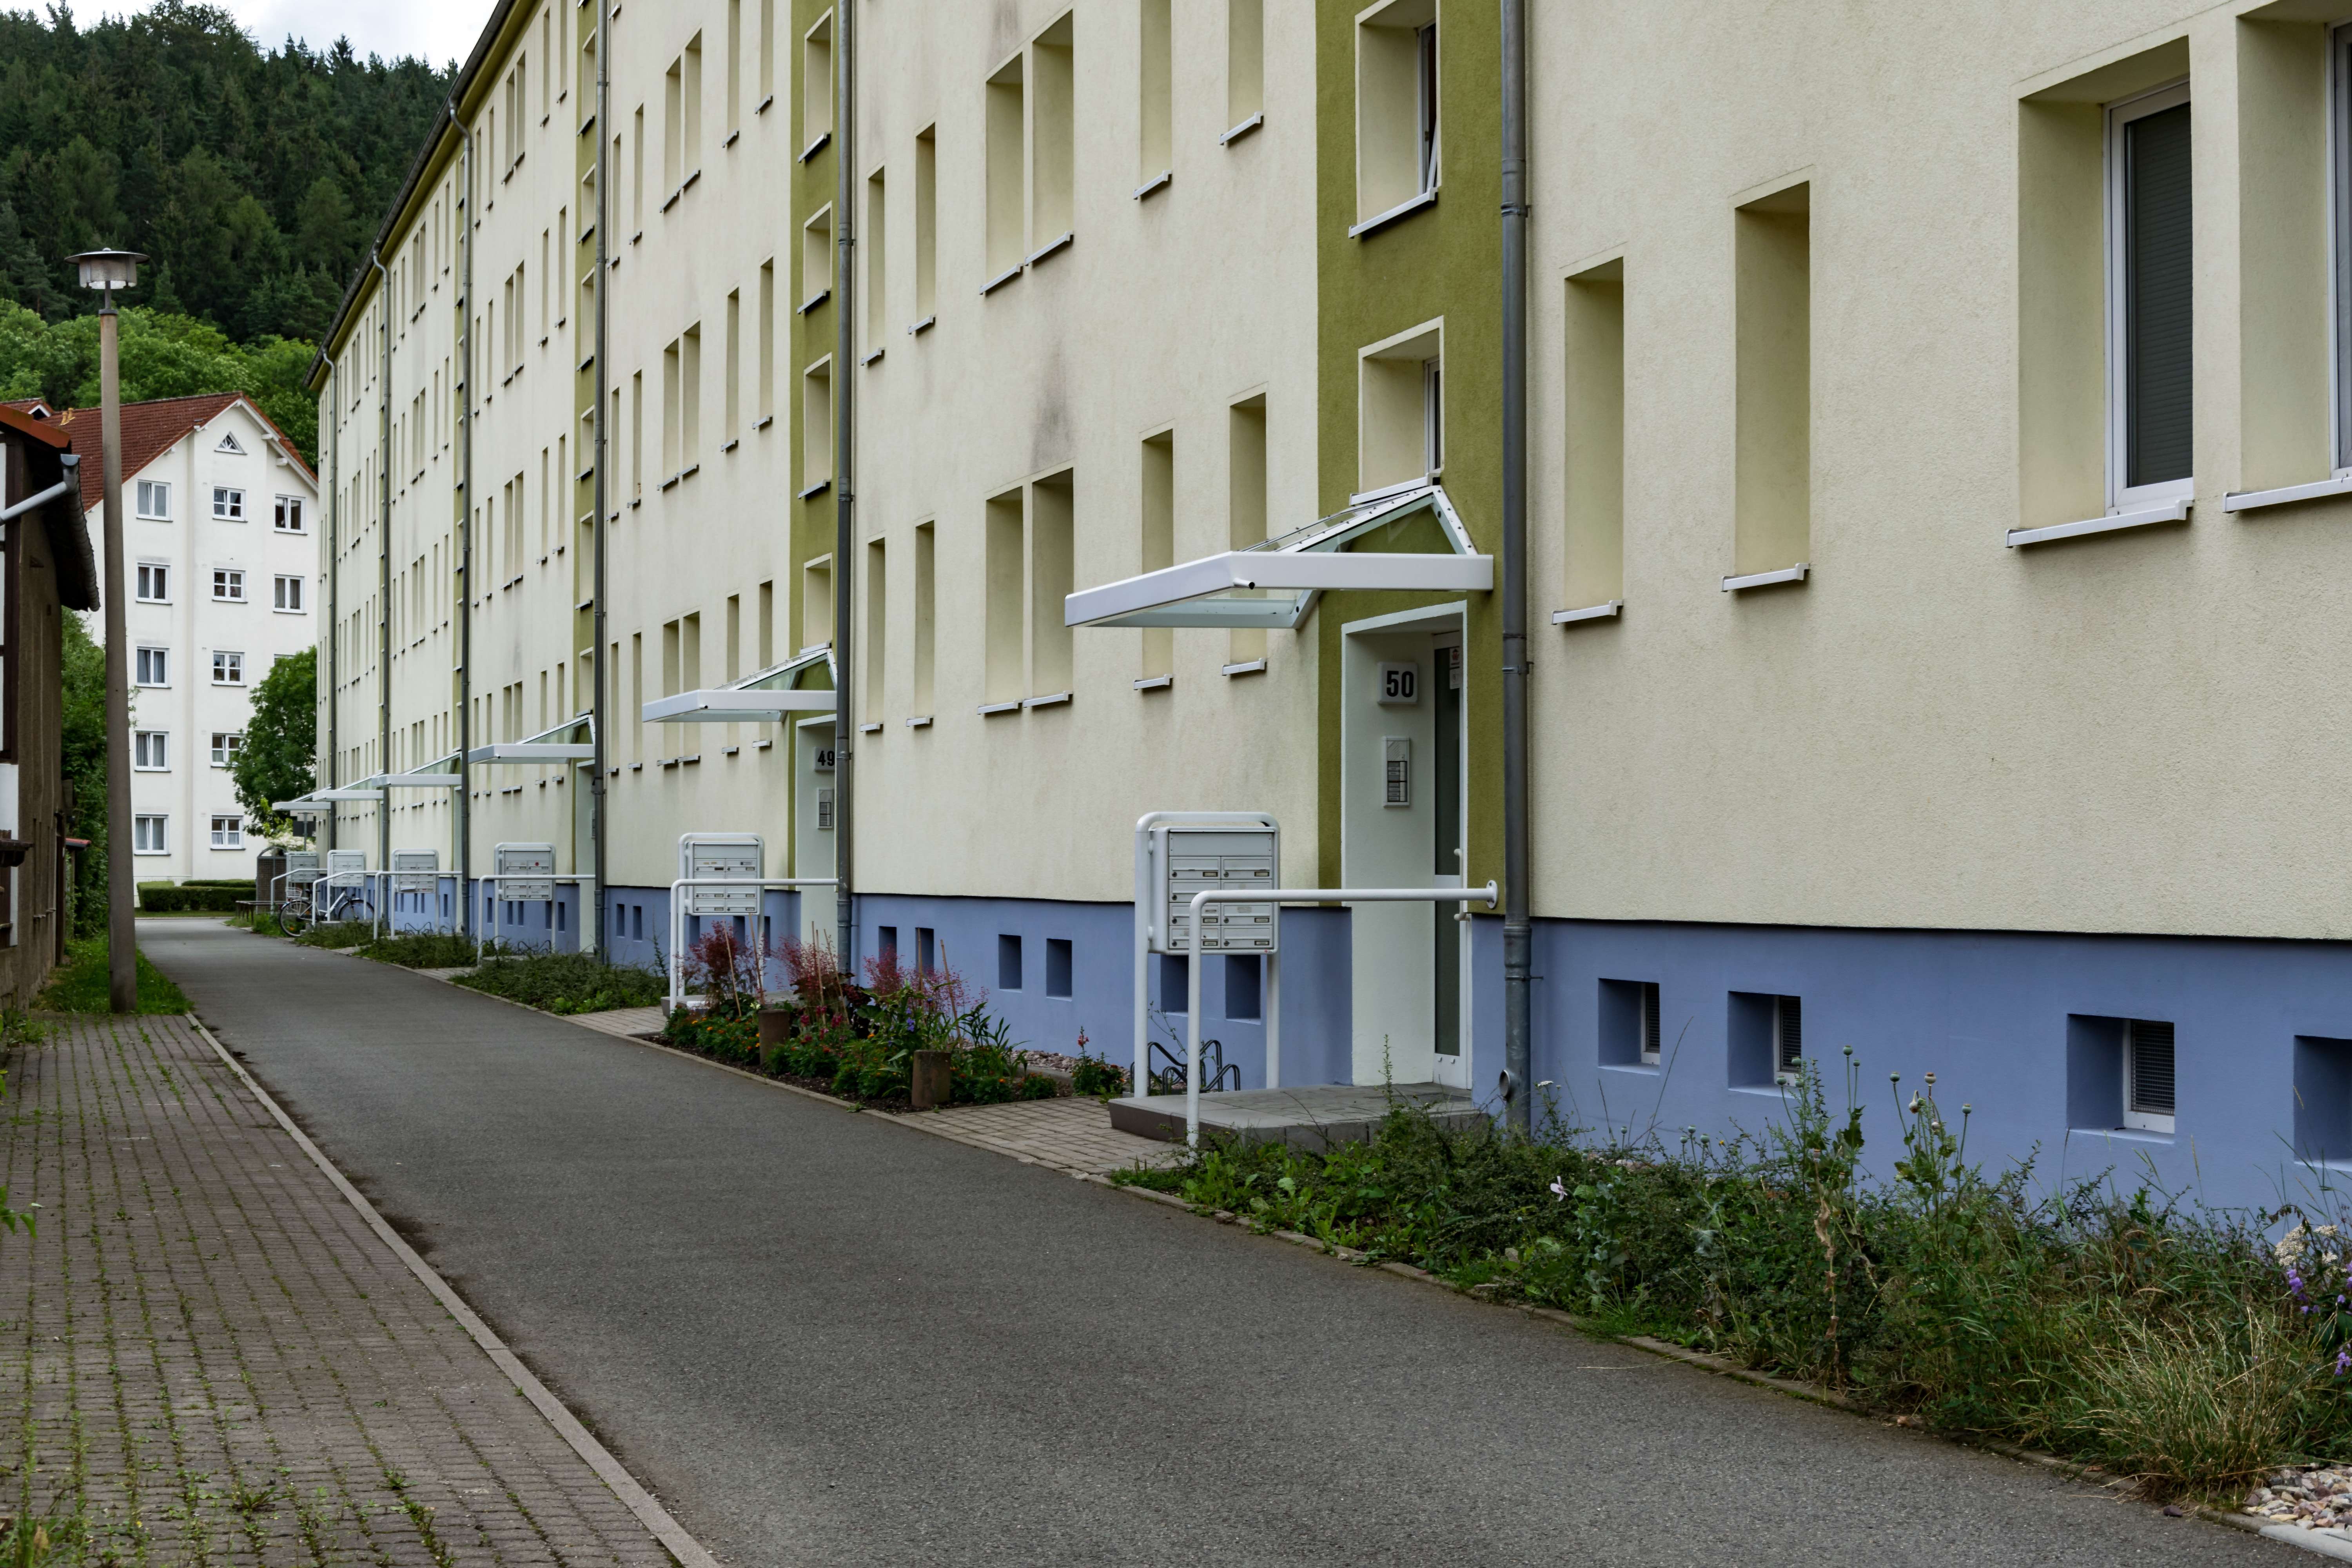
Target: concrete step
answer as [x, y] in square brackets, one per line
[1313, 1116]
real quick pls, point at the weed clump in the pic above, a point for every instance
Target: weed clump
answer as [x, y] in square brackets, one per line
[2164, 1341]
[566, 982]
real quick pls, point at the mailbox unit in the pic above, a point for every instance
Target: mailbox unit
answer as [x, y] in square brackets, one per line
[1188, 861]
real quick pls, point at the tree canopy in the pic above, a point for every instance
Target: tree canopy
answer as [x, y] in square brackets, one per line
[251, 179]
[163, 356]
[281, 740]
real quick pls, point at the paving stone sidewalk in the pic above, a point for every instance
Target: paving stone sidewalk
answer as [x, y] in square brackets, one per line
[209, 1357]
[1073, 1134]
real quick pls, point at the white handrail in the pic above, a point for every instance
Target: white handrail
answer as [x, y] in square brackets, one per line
[677, 917]
[1201, 900]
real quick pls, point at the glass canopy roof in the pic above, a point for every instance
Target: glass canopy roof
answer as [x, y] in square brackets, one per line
[1405, 538]
[799, 685]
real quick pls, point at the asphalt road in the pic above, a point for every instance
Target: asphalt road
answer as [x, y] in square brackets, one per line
[822, 1339]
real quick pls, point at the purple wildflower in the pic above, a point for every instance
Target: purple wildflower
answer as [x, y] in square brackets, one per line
[2342, 1361]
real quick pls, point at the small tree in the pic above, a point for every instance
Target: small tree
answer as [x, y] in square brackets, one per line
[282, 741]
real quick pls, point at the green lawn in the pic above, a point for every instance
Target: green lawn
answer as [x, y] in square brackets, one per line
[80, 984]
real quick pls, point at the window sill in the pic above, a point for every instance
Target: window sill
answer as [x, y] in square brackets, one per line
[1000, 279]
[1050, 246]
[1243, 129]
[673, 198]
[925, 325]
[1404, 209]
[990, 710]
[870, 358]
[1249, 666]
[813, 148]
[2124, 1134]
[1608, 612]
[729, 445]
[2143, 516]
[2255, 501]
[763, 745]
[920, 721]
[733, 137]
[1159, 182]
[1796, 573]
[1155, 683]
[765, 104]
[1648, 1069]
[731, 752]
[688, 471]
[764, 422]
[812, 302]
[875, 729]
[1055, 700]
[815, 489]
[671, 480]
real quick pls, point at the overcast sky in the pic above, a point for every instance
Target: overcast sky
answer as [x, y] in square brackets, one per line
[441, 30]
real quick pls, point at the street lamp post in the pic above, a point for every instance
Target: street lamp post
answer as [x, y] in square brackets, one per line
[106, 271]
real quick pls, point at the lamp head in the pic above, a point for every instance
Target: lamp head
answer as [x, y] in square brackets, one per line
[108, 271]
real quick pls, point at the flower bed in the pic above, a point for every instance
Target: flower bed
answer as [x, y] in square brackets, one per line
[842, 1038]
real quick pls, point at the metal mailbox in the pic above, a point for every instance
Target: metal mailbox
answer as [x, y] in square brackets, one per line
[346, 862]
[525, 872]
[1186, 861]
[302, 867]
[739, 856]
[415, 871]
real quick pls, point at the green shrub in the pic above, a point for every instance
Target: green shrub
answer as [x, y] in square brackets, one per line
[1098, 1076]
[165, 898]
[337, 935]
[568, 981]
[430, 950]
[2164, 1342]
[83, 984]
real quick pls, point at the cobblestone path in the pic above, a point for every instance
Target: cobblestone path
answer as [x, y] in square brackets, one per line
[211, 1358]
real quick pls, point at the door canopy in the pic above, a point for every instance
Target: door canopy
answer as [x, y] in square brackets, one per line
[1407, 539]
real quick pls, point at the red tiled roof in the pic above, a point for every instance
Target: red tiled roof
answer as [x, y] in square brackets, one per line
[149, 430]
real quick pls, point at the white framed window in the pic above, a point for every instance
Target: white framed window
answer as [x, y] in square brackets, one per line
[156, 500]
[1787, 1039]
[154, 666]
[228, 586]
[148, 836]
[228, 503]
[2150, 300]
[288, 594]
[150, 750]
[154, 583]
[2147, 1074]
[227, 744]
[229, 668]
[288, 516]
[228, 833]
[229, 444]
[1399, 143]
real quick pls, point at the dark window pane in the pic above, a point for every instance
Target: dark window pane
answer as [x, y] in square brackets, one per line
[2157, 298]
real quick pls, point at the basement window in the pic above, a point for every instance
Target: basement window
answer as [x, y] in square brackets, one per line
[1057, 967]
[1629, 1022]
[1008, 963]
[1766, 1035]
[2147, 1074]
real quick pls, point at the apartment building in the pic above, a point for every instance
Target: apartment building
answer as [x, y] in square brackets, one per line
[1935, 453]
[221, 572]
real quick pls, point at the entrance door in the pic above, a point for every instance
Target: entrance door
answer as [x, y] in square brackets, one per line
[1449, 935]
[813, 775]
[1401, 813]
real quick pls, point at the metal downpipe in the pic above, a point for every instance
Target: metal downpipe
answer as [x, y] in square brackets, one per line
[465, 824]
[1517, 930]
[334, 576]
[845, 481]
[383, 574]
[597, 725]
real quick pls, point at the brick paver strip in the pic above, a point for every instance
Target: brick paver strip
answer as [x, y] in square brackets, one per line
[214, 1357]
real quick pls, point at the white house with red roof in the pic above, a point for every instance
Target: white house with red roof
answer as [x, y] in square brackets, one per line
[222, 565]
